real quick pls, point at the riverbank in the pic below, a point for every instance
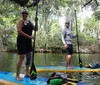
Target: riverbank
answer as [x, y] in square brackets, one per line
[83, 49]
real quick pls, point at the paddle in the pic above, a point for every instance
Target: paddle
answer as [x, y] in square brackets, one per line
[80, 61]
[33, 72]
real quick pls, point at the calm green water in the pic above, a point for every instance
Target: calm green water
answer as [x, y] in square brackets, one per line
[8, 63]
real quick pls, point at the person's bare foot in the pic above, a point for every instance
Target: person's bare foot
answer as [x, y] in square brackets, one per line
[19, 78]
[70, 67]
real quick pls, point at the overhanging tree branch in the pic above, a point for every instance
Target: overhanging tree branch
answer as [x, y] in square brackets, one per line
[96, 2]
[90, 2]
[87, 3]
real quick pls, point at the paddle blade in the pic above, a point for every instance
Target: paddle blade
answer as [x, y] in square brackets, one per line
[33, 73]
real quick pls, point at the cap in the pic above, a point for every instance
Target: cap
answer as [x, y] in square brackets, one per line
[24, 11]
[67, 20]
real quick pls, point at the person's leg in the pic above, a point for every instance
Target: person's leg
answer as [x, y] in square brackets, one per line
[69, 55]
[68, 60]
[28, 61]
[18, 66]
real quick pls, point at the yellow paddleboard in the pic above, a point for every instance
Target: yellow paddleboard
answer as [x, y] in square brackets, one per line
[65, 69]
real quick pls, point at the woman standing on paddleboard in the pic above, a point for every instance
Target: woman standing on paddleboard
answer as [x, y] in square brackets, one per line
[67, 41]
[24, 42]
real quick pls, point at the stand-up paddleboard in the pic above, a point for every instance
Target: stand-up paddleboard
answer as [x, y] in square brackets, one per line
[65, 69]
[8, 78]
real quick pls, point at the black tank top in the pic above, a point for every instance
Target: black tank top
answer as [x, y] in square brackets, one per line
[26, 29]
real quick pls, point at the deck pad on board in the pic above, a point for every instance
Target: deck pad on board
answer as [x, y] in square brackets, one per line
[8, 78]
[65, 69]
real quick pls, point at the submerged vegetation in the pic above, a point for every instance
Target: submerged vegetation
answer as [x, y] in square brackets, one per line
[51, 24]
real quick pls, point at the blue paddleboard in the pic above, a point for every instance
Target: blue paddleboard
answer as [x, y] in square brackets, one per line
[8, 78]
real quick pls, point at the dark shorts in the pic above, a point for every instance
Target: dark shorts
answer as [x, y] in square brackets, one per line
[69, 50]
[24, 47]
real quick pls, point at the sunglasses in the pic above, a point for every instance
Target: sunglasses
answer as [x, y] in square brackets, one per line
[66, 23]
[24, 13]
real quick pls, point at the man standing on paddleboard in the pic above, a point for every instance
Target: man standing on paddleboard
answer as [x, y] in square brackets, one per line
[67, 37]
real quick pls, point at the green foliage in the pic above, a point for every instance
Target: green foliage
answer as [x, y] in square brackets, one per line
[55, 35]
[49, 12]
[97, 13]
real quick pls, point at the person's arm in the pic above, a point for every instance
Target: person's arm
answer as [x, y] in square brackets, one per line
[19, 30]
[63, 36]
[34, 26]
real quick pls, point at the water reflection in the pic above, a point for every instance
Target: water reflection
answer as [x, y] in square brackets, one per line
[92, 78]
[6, 62]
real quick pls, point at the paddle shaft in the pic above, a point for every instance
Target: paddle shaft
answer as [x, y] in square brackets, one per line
[36, 27]
[33, 72]
[80, 61]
